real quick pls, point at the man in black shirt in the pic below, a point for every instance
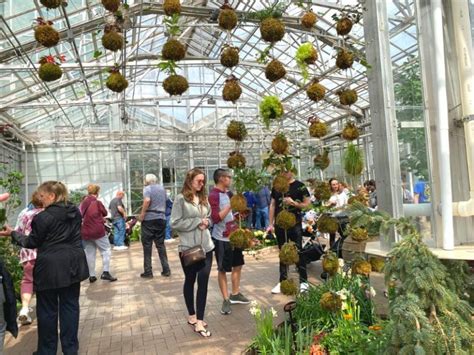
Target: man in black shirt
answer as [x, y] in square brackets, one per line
[296, 199]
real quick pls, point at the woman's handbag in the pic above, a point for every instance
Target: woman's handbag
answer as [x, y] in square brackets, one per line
[193, 255]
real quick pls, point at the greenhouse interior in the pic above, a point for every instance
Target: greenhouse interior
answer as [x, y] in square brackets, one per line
[306, 165]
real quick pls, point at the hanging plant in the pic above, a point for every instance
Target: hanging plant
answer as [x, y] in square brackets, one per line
[347, 18]
[344, 59]
[361, 267]
[350, 131]
[172, 7]
[344, 26]
[51, 4]
[227, 17]
[347, 97]
[111, 5]
[306, 54]
[322, 190]
[274, 70]
[112, 38]
[241, 238]
[358, 234]
[327, 224]
[50, 69]
[289, 252]
[45, 33]
[232, 89]
[353, 160]
[377, 263]
[285, 220]
[330, 301]
[270, 109]
[236, 161]
[175, 85]
[229, 56]
[281, 184]
[237, 131]
[116, 81]
[315, 91]
[322, 161]
[308, 20]
[317, 128]
[173, 50]
[330, 263]
[280, 144]
[288, 287]
[272, 30]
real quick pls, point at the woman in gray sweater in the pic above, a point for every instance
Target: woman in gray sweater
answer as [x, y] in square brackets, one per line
[190, 220]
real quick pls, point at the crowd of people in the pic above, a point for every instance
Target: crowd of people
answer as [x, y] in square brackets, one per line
[60, 241]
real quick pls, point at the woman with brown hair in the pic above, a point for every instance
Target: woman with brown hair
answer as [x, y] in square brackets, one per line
[190, 220]
[60, 267]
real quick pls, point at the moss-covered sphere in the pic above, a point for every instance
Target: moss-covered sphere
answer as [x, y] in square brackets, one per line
[238, 203]
[240, 238]
[321, 161]
[281, 184]
[116, 82]
[322, 191]
[51, 4]
[344, 59]
[327, 224]
[172, 7]
[175, 85]
[377, 263]
[50, 72]
[275, 70]
[236, 130]
[173, 50]
[344, 26]
[231, 91]
[350, 132]
[272, 30]
[236, 161]
[227, 19]
[230, 57]
[316, 92]
[285, 220]
[318, 129]
[348, 97]
[280, 144]
[111, 5]
[46, 35]
[308, 20]
[330, 302]
[288, 287]
[361, 267]
[359, 234]
[330, 263]
[113, 41]
[289, 254]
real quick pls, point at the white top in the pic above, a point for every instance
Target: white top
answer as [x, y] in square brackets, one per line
[340, 199]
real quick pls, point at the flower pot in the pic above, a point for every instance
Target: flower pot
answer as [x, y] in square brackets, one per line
[351, 249]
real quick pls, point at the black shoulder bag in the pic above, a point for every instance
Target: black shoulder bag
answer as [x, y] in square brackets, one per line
[194, 254]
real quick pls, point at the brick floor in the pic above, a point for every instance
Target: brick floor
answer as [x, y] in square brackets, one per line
[136, 316]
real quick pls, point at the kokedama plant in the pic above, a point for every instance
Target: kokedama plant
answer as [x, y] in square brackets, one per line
[236, 130]
[236, 161]
[327, 224]
[316, 91]
[350, 131]
[360, 197]
[280, 144]
[272, 30]
[330, 263]
[281, 184]
[289, 253]
[317, 128]
[361, 266]
[50, 69]
[111, 5]
[306, 54]
[112, 39]
[173, 50]
[358, 234]
[45, 33]
[229, 56]
[227, 17]
[330, 301]
[344, 26]
[172, 7]
[238, 203]
[270, 109]
[232, 89]
[285, 220]
[308, 20]
[240, 238]
[377, 263]
[175, 84]
[289, 287]
[116, 81]
[353, 160]
[275, 70]
[51, 4]
[322, 161]
[347, 97]
[322, 191]
[344, 59]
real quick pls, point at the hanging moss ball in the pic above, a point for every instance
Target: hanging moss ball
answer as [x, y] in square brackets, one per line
[113, 41]
[321, 161]
[173, 50]
[238, 203]
[46, 35]
[231, 90]
[330, 302]
[172, 7]
[289, 254]
[175, 85]
[344, 59]
[347, 97]
[227, 19]
[318, 129]
[236, 161]
[377, 263]
[51, 4]
[281, 184]
[111, 5]
[359, 234]
[240, 238]
[285, 220]
[316, 91]
[288, 287]
[350, 132]
[311, 59]
[360, 198]
[322, 191]
[116, 82]
[230, 57]
[272, 30]
[280, 144]
[50, 72]
[330, 263]
[344, 26]
[236, 130]
[327, 224]
[274, 70]
[361, 267]
[308, 20]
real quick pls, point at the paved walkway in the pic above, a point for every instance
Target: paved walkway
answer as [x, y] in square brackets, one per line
[136, 316]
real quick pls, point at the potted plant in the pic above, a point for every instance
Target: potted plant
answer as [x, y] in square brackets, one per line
[50, 67]
[306, 54]
[111, 5]
[275, 70]
[232, 89]
[237, 131]
[229, 56]
[112, 38]
[172, 7]
[308, 20]
[270, 109]
[227, 17]
[315, 91]
[45, 33]
[350, 131]
[347, 97]
[51, 4]
[116, 81]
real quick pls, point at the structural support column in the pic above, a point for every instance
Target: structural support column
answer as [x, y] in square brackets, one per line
[382, 111]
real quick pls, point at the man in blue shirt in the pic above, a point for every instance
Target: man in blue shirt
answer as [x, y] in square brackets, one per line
[422, 192]
[262, 202]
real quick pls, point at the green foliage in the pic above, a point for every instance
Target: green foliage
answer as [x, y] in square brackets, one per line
[303, 53]
[136, 232]
[276, 11]
[168, 66]
[458, 277]
[278, 163]
[270, 109]
[76, 196]
[353, 160]
[262, 57]
[248, 179]
[10, 182]
[97, 54]
[172, 24]
[9, 256]
[361, 216]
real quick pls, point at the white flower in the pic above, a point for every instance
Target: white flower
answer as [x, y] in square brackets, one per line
[274, 312]
[370, 293]
[342, 294]
[341, 262]
[253, 304]
[344, 306]
[255, 311]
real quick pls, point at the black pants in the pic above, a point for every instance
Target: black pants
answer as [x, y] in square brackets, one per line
[154, 231]
[200, 271]
[294, 234]
[48, 303]
[337, 246]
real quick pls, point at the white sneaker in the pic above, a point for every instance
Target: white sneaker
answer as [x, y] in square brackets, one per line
[24, 318]
[276, 289]
[304, 286]
[169, 240]
[123, 247]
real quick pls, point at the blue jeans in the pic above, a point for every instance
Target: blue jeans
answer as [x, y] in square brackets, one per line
[168, 227]
[262, 216]
[119, 232]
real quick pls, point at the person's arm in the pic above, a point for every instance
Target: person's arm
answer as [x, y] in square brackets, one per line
[179, 222]
[31, 241]
[121, 210]
[102, 209]
[217, 215]
[145, 205]
[271, 214]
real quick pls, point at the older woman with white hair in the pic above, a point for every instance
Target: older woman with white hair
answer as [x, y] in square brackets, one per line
[153, 220]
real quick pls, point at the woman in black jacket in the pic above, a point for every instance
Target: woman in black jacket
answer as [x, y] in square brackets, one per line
[60, 267]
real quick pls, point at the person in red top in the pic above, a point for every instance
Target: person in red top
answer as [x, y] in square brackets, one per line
[93, 234]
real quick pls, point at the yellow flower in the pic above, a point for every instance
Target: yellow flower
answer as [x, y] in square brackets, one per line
[347, 316]
[375, 327]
